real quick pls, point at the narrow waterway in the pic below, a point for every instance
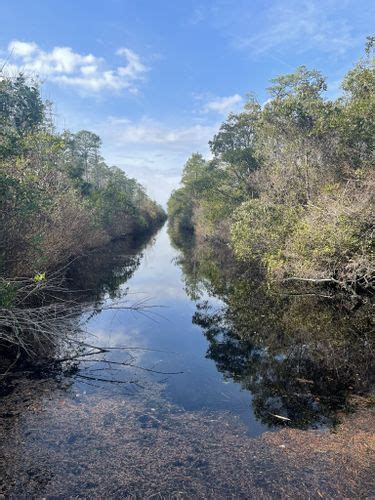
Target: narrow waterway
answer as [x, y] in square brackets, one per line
[182, 401]
[163, 338]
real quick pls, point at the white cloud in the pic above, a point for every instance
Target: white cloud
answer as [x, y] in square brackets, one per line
[151, 132]
[84, 72]
[223, 105]
[332, 27]
[301, 25]
[134, 66]
[22, 49]
[151, 151]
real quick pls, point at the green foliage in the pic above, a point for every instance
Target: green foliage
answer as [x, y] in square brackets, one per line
[57, 195]
[180, 210]
[290, 182]
[356, 121]
[303, 83]
[39, 277]
[195, 181]
[8, 293]
[260, 230]
[234, 147]
[21, 112]
[334, 236]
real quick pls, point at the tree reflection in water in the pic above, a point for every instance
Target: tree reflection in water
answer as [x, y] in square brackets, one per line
[300, 356]
[104, 272]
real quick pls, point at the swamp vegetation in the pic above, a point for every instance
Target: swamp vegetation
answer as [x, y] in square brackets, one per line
[59, 200]
[229, 390]
[226, 354]
[291, 183]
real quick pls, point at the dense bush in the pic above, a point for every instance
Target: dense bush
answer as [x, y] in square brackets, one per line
[57, 196]
[290, 184]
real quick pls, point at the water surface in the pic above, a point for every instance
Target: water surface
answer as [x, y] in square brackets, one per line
[180, 402]
[171, 342]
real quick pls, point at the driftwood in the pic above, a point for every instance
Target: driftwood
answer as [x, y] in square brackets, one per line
[357, 288]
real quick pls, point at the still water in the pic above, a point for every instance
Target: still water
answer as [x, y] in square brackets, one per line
[210, 385]
[165, 339]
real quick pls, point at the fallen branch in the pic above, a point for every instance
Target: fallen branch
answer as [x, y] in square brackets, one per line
[314, 280]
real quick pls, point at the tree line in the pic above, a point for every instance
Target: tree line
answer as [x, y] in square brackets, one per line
[290, 183]
[58, 197]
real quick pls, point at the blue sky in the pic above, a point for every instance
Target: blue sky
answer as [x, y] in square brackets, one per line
[154, 78]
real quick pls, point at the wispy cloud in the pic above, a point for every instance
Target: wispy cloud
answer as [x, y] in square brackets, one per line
[297, 25]
[149, 132]
[84, 72]
[223, 105]
[197, 15]
[152, 151]
[303, 25]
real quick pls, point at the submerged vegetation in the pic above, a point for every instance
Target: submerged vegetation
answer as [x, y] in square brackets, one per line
[58, 200]
[291, 183]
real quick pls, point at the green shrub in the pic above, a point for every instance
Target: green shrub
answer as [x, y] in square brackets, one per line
[259, 231]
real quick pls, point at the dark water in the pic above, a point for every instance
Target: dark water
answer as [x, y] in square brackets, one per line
[212, 358]
[216, 338]
[167, 339]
